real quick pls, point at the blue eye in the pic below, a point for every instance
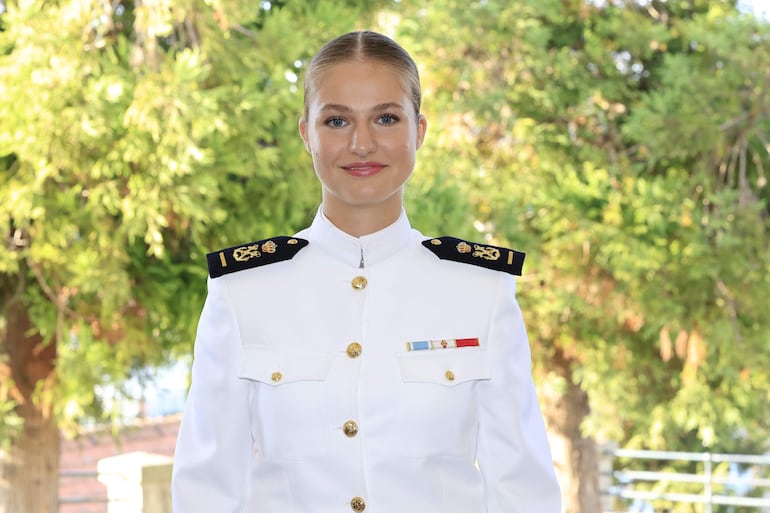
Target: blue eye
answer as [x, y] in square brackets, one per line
[388, 119]
[336, 122]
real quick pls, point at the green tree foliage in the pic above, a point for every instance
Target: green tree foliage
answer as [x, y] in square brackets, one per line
[624, 146]
[135, 137]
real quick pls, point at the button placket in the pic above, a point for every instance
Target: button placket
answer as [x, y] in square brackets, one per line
[354, 349]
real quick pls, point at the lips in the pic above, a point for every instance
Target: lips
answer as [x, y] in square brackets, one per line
[363, 169]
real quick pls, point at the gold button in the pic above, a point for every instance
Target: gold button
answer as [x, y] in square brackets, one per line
[350, 428]
[276, 376]
[435, 242]
[357, 504]
[359, 283]
[354, 350]
[450, 375]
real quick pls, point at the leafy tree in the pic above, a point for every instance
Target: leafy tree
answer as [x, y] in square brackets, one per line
[624, 146]
[136, 136]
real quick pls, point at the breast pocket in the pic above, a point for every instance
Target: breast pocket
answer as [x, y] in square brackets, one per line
[438, 410]
[288, 401]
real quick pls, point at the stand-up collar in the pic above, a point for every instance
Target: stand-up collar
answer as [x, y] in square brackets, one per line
[374, 247]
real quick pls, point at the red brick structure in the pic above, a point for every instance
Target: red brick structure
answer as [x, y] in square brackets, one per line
[79, 489]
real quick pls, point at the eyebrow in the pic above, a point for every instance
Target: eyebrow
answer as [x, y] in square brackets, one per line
[345, 108]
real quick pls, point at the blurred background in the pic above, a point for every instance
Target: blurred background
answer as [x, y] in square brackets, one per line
[622, 144]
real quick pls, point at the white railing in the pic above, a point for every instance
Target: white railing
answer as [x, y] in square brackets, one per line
[717, 480]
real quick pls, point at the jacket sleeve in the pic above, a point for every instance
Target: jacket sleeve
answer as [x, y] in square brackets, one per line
[513, 453]
[213, 448]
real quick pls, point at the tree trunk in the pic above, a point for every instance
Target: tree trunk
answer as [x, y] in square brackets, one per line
[576, 457]
[31, 467]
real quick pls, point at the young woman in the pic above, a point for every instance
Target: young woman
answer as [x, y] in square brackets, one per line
[359, 365]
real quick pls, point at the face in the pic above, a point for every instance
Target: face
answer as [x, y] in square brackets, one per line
[363, 134]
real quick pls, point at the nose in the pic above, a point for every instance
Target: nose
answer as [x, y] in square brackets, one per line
[362, 141]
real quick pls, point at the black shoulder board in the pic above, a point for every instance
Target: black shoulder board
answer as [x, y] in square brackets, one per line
[253, 254]
[483, 255]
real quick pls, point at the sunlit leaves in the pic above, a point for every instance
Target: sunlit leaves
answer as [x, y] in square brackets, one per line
[625, 149]
[134, 139]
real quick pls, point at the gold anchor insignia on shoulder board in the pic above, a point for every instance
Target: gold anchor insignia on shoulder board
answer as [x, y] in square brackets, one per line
[486, 252]
[246, 253]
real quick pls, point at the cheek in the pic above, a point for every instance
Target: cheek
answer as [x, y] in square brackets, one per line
[314, 146]
[318, 152]
[320, 147]
[407, 142]
[322, 161]
[407, 149]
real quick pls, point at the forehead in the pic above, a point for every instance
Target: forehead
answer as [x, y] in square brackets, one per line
[358, 84]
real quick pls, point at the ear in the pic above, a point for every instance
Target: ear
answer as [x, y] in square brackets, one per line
[422, 128]
[303, 133]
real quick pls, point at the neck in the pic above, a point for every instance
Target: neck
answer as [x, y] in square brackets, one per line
[360, 221]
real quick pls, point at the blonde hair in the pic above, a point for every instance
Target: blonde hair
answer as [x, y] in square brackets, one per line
[364, 46]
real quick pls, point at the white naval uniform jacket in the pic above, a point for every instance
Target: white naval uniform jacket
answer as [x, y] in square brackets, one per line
[455, 430]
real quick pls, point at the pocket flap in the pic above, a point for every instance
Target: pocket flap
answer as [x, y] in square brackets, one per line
[447, 367]
[275, 367]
